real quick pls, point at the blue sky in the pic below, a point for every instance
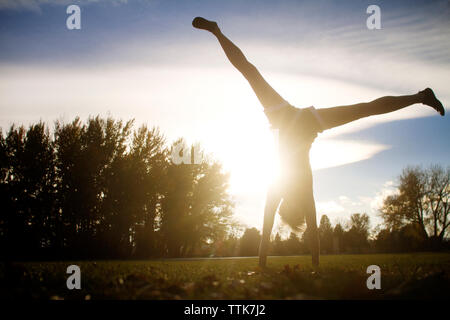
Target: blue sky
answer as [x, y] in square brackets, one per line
[143, 60]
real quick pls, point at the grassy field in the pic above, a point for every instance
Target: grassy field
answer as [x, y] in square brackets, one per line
[421, 275]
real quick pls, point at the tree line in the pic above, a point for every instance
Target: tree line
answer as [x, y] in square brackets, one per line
[102, 189]
[415, 218]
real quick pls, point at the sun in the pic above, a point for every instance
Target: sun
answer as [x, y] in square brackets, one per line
[248, 152]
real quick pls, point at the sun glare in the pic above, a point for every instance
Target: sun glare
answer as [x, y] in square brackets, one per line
[239, 136]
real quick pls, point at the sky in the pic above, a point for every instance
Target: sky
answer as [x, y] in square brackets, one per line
[143, 60]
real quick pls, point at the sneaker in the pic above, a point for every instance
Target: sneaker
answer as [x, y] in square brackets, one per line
[202, 23]
[430, 99]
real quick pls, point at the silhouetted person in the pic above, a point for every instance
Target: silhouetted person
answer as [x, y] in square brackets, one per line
[297, 130]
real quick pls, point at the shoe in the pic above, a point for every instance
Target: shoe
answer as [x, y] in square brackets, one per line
[430, 99]
[202, 23]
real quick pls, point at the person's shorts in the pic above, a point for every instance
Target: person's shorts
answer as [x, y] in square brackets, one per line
[303, 122]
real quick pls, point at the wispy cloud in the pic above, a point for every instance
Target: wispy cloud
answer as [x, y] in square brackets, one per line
[328, 153]
[341, 208]
[387, 189]
[35, 5]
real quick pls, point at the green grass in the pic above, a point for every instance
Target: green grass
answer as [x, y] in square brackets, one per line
[421, 275]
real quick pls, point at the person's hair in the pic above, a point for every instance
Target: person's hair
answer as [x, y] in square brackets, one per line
[292, 212]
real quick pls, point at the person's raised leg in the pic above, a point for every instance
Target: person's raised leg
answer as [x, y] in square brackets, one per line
[336, 116]
[265, 93]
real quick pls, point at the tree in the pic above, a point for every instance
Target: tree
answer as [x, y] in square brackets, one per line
[249, 242]
[91, 166]
[306, 241]
[356, 238]
[227, 247]
[407, 238]
[293, 245]
[278, 246]
[326, 235]
[196, 207]
[149, 161]
[27, 190]
[338, 238]
[422, 199]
